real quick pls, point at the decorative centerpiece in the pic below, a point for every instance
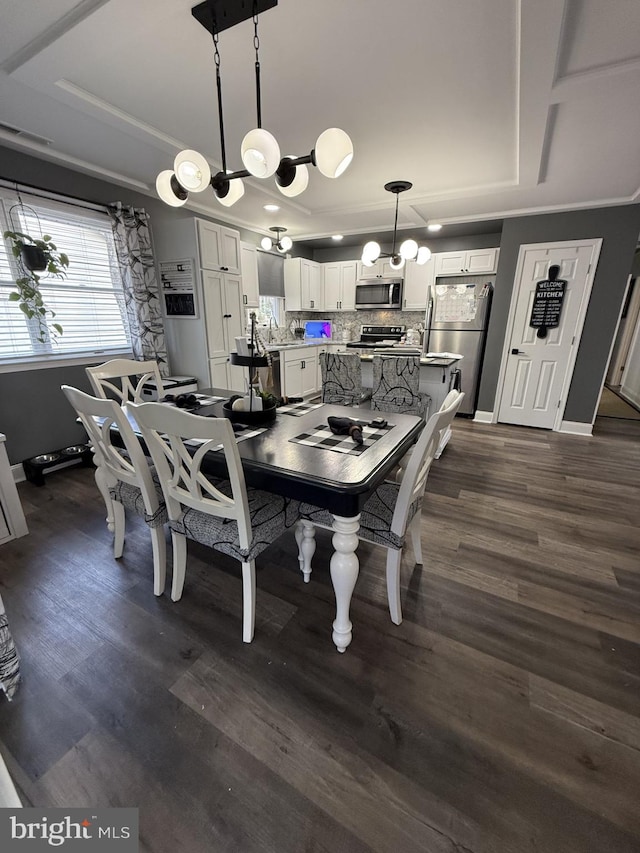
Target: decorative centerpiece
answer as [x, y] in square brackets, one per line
[255, 407]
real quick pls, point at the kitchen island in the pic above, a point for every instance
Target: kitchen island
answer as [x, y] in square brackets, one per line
[436, 373]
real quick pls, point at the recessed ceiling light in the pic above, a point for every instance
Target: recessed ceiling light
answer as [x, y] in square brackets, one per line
[434, 226]
[271, 207]
[336, 236]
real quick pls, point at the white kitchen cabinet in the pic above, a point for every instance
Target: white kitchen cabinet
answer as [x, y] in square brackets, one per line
[300, 374]
[473, 261]
[218, 247]
[224, 319]
[302, 285]
[340, 286]
[381, 269]
[249, 271]
[418, 279]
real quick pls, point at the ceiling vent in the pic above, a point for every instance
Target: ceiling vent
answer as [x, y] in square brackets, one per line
[25, 134]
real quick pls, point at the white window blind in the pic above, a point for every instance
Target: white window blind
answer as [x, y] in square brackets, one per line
[88, 302]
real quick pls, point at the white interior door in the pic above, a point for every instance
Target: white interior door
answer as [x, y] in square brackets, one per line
[538, 370]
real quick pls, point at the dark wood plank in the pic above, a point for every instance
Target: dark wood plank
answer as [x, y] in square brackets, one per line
[502, 715]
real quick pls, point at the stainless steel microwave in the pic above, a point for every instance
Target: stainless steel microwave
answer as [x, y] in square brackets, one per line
[379, 293]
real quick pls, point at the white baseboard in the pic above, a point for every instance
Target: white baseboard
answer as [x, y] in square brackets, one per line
[576, 428]
[483, 417]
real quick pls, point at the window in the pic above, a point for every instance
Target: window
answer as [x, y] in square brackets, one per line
[89, 302]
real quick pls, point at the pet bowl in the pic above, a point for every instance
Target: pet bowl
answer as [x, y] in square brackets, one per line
[75, 448]
[45, 458]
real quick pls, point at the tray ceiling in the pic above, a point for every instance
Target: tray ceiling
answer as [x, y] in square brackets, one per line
[489, 109]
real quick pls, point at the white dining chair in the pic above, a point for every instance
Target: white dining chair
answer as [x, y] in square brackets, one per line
[223, 514]
[123, 379]
[391, 512]
[124, 475]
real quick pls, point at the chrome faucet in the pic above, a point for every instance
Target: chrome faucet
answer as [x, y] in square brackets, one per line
[270, 333]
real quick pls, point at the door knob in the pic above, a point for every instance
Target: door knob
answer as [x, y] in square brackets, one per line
[517, 352]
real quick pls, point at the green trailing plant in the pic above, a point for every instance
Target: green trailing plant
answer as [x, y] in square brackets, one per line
[36, 258]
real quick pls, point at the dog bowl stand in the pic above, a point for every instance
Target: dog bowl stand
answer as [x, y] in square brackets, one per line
[34, 468]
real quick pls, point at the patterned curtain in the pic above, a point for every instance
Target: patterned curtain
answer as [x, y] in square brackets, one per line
[142, 298]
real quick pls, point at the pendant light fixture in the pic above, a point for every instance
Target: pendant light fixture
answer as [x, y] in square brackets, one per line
[409, 249]
[260, 151]
[282, 245]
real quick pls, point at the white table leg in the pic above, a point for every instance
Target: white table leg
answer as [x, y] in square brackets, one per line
[344, 574]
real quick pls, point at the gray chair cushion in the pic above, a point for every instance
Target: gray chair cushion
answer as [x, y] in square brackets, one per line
[270, 516]
[342, 379]
[375, 518]
[131, 498]
[396, 381]
[9, 660]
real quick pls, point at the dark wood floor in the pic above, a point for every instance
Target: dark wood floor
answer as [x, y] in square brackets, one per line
[502, 715]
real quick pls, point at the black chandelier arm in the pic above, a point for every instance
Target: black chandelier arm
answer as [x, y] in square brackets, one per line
[220, 181]
[286, 171]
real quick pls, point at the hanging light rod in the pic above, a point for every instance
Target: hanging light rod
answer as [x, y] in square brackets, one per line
[260, 151]
[409, 250]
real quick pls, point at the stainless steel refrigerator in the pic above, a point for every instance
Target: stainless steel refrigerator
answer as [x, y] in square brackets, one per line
[457, 320]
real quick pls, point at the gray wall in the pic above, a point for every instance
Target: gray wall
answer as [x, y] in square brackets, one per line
[34, 414]
[619, 228]
[439, 244]
[36, 417]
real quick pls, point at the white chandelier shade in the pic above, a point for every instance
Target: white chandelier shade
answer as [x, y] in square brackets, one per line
[260, 153]
[170, 190]
[333, 152]
[192, 171]
[298, 183]
[283, 244]
[409, 249]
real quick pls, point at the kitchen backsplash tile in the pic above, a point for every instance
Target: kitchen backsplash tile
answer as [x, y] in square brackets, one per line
[346, 324]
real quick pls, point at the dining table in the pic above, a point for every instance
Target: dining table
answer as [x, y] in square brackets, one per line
[296, 456]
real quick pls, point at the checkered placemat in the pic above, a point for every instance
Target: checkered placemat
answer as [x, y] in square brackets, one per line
[241, 435]
[321, 436]
[298, 409]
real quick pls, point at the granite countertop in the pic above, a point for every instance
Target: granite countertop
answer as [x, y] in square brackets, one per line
[365, 354]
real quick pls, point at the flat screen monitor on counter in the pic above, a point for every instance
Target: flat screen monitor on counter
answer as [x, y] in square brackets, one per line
[317, 329]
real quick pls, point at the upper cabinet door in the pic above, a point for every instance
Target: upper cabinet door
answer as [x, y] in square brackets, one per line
[219, 247]
[348, 271]
[417, 282]
[209, 244]
[482, 260]
[249, 272]
[230, 250]
[332, 288]
[476, 261]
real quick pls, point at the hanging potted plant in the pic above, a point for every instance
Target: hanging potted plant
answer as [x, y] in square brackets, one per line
[35, 256]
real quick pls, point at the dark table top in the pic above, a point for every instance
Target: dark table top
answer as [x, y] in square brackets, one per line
[337, 481]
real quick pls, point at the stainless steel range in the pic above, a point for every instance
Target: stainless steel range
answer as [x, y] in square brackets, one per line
[379, 337]
[385, 339]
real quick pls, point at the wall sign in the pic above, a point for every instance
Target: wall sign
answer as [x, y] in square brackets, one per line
[178, 284]
[547, 303]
